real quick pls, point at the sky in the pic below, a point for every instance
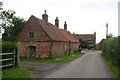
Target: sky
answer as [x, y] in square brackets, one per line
[81, 16]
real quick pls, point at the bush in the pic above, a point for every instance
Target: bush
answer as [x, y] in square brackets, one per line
[111, 49]
[8, 47]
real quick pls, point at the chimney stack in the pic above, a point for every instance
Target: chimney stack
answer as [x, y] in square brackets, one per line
[45, 16]
[94, 33]
[65, 26]
[57, 22]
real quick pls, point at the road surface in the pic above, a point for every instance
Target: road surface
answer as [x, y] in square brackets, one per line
[89, 65]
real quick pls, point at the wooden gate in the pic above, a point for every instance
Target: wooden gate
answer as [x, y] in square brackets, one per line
[9, 59]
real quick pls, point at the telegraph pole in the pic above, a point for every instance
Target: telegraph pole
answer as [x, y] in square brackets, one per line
[106, 30]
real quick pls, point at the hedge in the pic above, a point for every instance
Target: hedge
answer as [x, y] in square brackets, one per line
[8, 47]
[111, 49]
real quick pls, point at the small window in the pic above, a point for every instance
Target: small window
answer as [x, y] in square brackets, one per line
[31, 35]
[65, 47]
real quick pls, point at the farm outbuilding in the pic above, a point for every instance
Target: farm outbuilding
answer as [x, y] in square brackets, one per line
[40, 39]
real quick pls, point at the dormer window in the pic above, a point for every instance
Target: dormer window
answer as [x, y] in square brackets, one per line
[31, 34]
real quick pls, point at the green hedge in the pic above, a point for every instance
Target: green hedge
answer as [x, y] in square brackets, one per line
[8, 47]
[111, 49]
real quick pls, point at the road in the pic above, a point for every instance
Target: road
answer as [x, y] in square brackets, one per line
[89, 65]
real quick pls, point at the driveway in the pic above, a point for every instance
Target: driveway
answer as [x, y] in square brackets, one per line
[89, 65]
[41, 70]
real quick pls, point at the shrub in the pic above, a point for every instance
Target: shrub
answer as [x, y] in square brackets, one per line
[111, 50]
[8, 47]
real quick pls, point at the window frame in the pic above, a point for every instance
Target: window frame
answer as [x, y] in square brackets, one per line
[31, 34]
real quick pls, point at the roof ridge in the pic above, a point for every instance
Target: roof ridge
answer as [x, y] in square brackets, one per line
[53, 32]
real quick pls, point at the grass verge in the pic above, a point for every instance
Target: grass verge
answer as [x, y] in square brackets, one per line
[63, 59]
[16, 73]
[113, 69]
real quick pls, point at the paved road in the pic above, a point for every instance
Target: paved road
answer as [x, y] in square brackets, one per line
[89, 65]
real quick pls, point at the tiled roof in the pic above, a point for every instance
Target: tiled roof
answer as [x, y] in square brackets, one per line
[55, 33]
[85, 36]
[102, 41]
[68, 35]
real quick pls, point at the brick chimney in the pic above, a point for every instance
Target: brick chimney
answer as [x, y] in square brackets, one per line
[45, 16]
[65, 26]
[94, 33]
[57, 22]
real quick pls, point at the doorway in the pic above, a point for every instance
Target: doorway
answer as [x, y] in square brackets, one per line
[32, 51]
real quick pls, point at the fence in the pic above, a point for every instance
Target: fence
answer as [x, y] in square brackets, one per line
[10, 60]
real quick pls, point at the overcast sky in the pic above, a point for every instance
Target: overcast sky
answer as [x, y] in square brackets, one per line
[82, 16]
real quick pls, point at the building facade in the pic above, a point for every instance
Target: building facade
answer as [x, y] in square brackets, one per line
[101, 44]
[40, 39]
[89, 38]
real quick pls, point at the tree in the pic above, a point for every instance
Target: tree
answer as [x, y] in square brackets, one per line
[83, 43]
[109, 35]
[11, 24]
[1, 4]
[86, 43]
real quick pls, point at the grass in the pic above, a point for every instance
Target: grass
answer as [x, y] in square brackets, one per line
[63, 59]
[0, 74]
[16, 73]
[24, 64]
[114, 69]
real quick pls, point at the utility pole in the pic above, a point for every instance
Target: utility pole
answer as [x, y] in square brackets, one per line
[106, 30]
[119, 38]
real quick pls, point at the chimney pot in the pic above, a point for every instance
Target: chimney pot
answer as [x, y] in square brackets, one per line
[45, 11]
[65, 26]
[57, 22]
[45, 16]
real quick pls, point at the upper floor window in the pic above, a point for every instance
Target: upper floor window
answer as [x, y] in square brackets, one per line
[31, 34]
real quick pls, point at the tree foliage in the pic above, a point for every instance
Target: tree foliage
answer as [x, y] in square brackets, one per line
[11, 24]
[8, 46]
[111, 49]
[109, 35]
[1, 4]
[86, 43]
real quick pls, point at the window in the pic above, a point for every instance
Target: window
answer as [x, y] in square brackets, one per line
[65, 47]
[31, 35]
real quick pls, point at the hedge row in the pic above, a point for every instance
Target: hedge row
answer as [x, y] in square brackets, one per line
[8, 47]
[111, 49]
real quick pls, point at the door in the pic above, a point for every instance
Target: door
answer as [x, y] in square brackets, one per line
[32, 52]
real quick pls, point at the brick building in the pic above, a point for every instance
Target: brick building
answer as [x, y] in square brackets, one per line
[88, 37]
[39, 39]
[100, 45]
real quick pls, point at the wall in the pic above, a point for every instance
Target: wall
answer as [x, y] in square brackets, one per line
[42, 49]
[31, 26]
[58, 48]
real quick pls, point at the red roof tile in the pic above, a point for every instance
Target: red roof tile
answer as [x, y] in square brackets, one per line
[68, 35]
[55, 33]
[85, 36]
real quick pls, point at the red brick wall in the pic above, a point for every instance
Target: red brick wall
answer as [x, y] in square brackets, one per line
[42, 49]
[73, 47]
[31, 26]
[58, 48]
